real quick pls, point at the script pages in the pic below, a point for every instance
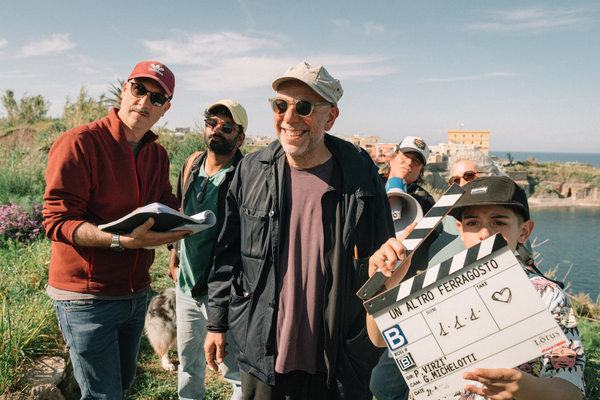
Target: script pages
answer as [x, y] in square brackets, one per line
[165, 220]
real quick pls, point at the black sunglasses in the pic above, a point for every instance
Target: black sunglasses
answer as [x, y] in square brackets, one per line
[303, 107]
[139, 91]
[226, 128]
[202, 191]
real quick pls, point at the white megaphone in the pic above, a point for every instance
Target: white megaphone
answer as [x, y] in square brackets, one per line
[405, 208]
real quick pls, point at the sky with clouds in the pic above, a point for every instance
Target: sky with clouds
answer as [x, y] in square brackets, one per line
[528, 71]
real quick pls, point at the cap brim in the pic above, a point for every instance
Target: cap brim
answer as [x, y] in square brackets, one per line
[413, 150]
[456, 211]
[315, 89]
[165, 87]
[234, 114]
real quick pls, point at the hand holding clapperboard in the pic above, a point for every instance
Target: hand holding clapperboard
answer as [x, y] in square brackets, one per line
[474, 310]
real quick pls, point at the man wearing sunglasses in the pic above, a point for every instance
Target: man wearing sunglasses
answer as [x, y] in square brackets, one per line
[97, 173]
[302, 217]
[202, 185]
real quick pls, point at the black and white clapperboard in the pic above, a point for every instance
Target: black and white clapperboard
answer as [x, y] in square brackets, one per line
[423, 229]
[477, 309]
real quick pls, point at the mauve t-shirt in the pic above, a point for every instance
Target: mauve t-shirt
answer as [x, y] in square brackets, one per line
[301, 279]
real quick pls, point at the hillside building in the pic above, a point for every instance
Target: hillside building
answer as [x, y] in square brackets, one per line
[383, 151]
[479, 139]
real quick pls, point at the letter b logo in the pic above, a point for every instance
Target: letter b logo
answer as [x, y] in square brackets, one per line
[394, 337]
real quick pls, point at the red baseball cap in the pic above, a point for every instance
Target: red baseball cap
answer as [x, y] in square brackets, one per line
[157, 71]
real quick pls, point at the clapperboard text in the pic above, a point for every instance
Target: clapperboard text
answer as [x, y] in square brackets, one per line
[438, 368]
[447, 287]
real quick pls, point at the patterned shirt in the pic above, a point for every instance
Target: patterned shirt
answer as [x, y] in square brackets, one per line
[566, 362]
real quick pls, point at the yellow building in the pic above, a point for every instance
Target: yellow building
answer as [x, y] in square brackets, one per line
[480, 139]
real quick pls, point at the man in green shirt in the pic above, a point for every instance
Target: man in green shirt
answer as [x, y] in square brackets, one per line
[203, 183]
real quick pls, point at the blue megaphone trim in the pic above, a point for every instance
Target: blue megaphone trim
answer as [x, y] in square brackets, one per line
[395, 183]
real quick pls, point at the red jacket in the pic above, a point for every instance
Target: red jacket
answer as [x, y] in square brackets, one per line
[92, 176]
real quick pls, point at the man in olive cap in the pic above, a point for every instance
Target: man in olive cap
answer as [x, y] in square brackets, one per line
[302, 218]
[202, 185]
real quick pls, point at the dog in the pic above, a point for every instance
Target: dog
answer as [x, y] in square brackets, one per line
[161, 325]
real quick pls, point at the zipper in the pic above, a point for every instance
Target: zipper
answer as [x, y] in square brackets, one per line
[137, 185]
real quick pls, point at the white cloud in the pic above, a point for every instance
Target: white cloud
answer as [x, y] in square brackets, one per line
[534, 19]
[251, 62]
[371, 27]
[340, 22]
[237, 74]
[58, 43]
[471, 78]
[3, 42]
[206, 49]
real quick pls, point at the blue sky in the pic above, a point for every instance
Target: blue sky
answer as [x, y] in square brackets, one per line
[528, 71]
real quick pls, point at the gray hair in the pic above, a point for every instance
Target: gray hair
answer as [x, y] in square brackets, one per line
[483, 162]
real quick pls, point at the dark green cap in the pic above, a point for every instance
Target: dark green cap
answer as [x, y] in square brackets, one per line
[492, 191]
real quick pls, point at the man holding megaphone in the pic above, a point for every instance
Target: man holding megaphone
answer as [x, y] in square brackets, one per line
[402, 175]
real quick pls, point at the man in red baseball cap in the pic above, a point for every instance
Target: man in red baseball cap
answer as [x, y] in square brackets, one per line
[98, 173]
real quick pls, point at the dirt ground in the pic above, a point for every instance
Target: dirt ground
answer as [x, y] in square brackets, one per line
[22, 137]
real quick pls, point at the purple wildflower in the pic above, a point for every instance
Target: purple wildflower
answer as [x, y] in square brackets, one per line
[20, 224]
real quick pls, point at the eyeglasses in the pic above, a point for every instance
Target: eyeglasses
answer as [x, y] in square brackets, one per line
[202, 191]
[303, 107]
[138, 90]
[467, 176]
[226, 128]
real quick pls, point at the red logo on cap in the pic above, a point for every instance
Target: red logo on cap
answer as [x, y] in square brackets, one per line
[420, 144]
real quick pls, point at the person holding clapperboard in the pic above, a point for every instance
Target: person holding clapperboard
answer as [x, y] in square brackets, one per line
[493, 205]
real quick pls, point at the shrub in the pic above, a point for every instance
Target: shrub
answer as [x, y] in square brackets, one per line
[19, 224]
[83, 110]
[22, 176]
[29, 110]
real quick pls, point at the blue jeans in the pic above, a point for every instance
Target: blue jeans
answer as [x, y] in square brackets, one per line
[103, 338]
[387, 383]
[191, 334]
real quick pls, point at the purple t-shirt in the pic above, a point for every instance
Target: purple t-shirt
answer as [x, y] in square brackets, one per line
[301, 280]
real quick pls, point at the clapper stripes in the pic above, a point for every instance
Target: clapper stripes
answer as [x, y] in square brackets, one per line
[435, 273]
[416, 237]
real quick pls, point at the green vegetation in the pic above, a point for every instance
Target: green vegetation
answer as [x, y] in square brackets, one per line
[28, 326]
[563, 172]
[27, 111]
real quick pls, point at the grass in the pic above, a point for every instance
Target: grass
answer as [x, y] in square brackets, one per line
[28, 326]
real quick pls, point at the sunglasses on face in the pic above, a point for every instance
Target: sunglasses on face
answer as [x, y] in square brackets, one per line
[467, 176]
[303, 107]
[226, 128]
[139, 91]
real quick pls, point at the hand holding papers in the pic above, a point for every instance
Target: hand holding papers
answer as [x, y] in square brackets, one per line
[165, 220]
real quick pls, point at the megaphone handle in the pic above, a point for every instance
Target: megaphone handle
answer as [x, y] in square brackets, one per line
[396, 205]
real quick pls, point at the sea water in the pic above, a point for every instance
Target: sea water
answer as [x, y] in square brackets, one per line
[583, 158]
[573, 238]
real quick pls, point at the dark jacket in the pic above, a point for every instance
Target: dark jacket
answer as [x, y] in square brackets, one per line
[92, 176]
[356, 214]
[182, 192]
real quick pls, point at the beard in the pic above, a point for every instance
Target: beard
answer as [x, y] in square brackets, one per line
[223, 147]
